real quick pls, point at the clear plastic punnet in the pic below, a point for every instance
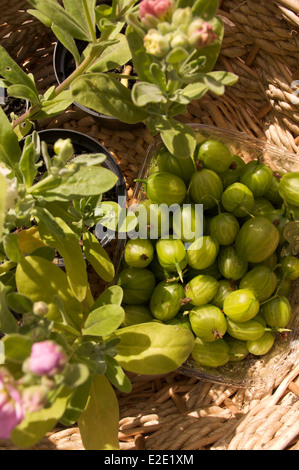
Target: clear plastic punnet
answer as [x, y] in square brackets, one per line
[253, 371]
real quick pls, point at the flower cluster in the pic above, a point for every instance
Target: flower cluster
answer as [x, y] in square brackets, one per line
[167, 27]
[153, 11]
[47, 358]
[29, 394]
[12, 195]
[11, 406]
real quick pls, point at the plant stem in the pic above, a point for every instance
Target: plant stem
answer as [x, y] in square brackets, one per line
[268, 300]
[63, 86]
[40, 184]
[27, 115]
[79, 71]
[66, 328]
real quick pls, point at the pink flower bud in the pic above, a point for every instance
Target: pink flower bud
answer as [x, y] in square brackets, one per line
[201, 34]
[47, 358]
[150, 10]
[11, 409]
[34, 398]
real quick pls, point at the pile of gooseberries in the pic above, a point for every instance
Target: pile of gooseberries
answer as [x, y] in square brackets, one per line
[229, 286]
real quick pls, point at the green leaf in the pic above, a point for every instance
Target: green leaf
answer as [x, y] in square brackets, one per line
[107, 96]
[23, 92]
[17, 348]
[23, 129]
[144, 93]
[35, 425]
[84, 13]
[89, 159]
[3, 192]
[41, 280]
[115, 218]
[177, 55]
[158, 76]
[179, 97]
[195, 91]
[76, 404]
[175, 109]
[112, 295]
[8, 323]
[179, 138]
[45, 217]
[28, 166]
[214, 85]
[142, 61]
[99, 421]
[18, 303]
[113, 56]
[98, 257]
[94, 356]
[70, 249]
[56, 106]
[10, 151]
[11, 247]
[13, 73]
[205, 9]
[60, 209]
[226, 78]
[44, 252]
[153, 348]
[42, 18]
[68, 42]
[104, 320]
[86, 182]
[75, 375]
[117, 376]
[61, 18]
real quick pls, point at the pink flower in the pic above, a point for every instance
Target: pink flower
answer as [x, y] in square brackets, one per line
[201, 34]
[154, 9]
[11, 409]
[47, 358]
[34, 398]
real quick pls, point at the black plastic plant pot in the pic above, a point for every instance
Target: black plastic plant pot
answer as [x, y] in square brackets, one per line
[9, 104]
[84, 144]
[64, 65]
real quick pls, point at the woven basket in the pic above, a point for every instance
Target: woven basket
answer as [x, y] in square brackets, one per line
[261, 45]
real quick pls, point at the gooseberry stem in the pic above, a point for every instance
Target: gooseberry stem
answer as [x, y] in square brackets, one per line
[268, 300]
[140, 181]
[179, 271]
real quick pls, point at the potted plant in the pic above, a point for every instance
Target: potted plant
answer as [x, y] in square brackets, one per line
[86, 145]
[116, 59]
[174, 47]
[64, 350]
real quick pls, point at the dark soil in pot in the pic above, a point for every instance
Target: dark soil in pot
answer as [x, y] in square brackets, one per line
[9, 104]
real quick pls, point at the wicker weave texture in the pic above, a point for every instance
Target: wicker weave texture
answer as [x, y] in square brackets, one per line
[261, 45]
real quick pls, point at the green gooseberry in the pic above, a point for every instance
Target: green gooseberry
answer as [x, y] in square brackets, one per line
[208, 322]
[139, 252]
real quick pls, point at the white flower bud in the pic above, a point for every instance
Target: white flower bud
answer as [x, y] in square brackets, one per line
[12, 195]
[156, 44]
